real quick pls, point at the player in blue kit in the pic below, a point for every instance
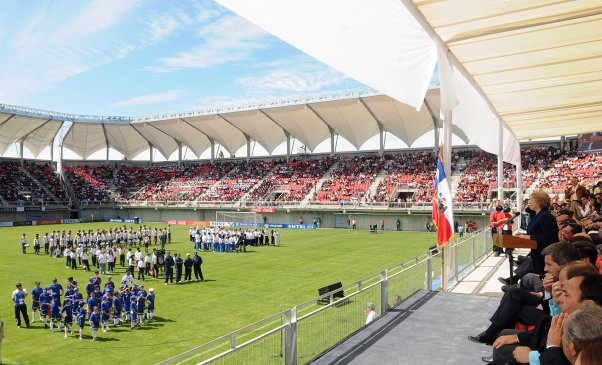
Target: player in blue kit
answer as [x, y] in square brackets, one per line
[105, 313]
[151, 304]
[117, 308]
[141, 305]
[55, 312]
[76, 298]
[35, 301]
[94, 322]
[56, 288]
[67, 312]
[127, 298]
[45, 306]
[133, 311]
[81, 319]
[92, 303]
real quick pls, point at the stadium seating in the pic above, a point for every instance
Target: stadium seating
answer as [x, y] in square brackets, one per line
[409, 172]
[32, 183]
[350, 179]
[403, 177]
[291, 181]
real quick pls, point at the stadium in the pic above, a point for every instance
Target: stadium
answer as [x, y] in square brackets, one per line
[302, 240]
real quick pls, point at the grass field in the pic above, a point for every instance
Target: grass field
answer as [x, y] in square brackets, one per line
[239, 289]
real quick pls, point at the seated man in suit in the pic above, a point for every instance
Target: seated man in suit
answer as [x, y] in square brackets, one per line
[515, 300]
[579, 286]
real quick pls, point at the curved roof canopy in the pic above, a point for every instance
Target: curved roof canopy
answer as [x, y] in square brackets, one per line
[357, 115]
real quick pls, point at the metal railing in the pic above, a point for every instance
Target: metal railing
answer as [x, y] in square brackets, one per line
[302, 333]
[315, 205]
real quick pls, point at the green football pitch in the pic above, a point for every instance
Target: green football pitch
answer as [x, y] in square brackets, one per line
[239, 289]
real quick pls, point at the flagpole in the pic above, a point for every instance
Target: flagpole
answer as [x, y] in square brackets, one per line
[446, 152]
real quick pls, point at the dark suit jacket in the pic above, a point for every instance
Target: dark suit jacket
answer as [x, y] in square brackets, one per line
[553, 356]
[543, 229]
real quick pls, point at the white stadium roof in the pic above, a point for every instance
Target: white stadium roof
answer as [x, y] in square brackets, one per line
[529, 69]
[356, 115]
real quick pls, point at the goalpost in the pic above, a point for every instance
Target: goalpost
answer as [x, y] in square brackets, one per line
[241, 217]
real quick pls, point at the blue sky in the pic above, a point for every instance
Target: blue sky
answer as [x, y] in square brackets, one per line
[133, 57]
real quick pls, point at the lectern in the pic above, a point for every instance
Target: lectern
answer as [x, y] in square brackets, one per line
[510, 243]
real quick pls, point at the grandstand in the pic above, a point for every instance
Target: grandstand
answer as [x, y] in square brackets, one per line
[367, 185]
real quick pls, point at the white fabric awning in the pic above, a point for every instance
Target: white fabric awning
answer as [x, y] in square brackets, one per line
[538, 62]
[534, 66]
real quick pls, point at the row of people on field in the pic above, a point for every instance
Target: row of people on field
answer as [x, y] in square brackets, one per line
[218, 239]
[55, 243]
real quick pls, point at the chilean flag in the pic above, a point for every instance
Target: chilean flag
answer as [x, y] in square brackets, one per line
[443, 215]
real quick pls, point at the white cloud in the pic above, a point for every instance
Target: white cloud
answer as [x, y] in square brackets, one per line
[162, 97]
[231, 38]
[294, 80]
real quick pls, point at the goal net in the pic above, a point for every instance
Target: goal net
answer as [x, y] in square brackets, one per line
[241, 217]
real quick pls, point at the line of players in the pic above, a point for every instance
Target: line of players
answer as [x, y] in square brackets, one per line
[55, 243]
[218, 239]
[130, 302]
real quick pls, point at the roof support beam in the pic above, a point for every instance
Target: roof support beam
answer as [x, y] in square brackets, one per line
[151, 150]
[21, 150]
[104, 131]
[200, 131]
[248, 147]
[330, 128]
[288, 145]
[53, 140]
[381, 128]
[212, 149]
[7, 119]
[436, 124]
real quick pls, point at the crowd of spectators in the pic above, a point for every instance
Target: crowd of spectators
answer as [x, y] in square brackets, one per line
[586, 167]
[407, 171]
[238, 181]
[291, 181]
[30, 183]
[408, 177]
[89, 183]
[350, 179]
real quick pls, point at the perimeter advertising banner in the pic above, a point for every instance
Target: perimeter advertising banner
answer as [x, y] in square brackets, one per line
[263, 210]
[239, 224]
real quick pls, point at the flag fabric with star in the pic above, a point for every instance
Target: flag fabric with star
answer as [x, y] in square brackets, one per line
[443, 216]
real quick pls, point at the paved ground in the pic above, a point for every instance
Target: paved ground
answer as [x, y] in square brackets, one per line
[428, 328]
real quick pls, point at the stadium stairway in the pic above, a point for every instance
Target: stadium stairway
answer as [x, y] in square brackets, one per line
[429, 327]
[42, 186]
[319, 184]
[382, 174]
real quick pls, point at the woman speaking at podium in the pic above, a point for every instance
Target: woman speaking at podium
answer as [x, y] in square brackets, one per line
[542, 228]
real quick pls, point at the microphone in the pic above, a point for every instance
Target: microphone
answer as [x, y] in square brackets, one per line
[512, 218]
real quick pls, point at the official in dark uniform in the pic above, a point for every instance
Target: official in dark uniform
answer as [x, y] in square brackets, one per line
[196, 264]
[188, 268]
[179, 264]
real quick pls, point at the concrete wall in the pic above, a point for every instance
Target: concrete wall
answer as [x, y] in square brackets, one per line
[409, 222]
[33, 215]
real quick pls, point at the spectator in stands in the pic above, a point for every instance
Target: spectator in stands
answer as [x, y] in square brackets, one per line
[573, 193]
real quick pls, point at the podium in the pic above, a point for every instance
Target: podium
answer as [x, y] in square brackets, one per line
[510, 243]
